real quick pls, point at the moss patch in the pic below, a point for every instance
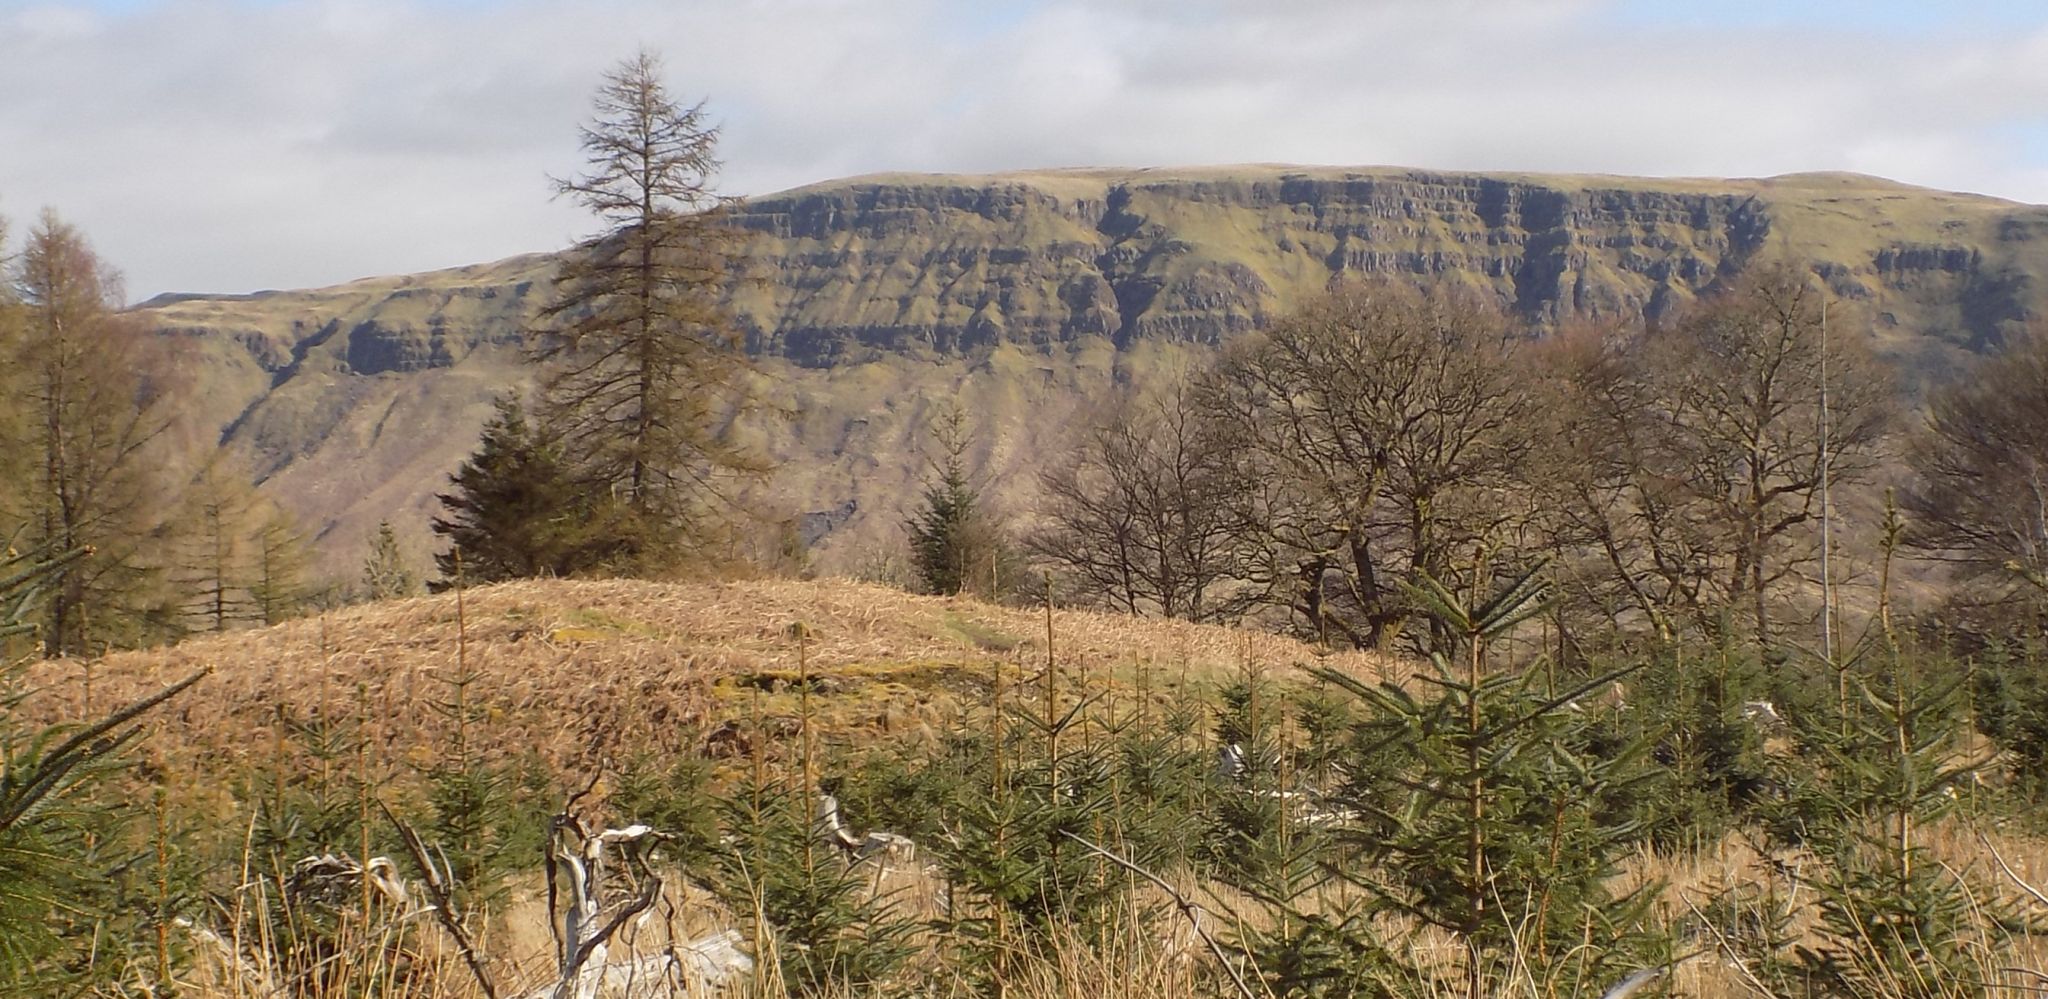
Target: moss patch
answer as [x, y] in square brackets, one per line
[981, 636]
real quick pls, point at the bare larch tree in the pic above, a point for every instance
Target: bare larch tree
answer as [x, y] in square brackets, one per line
[645, 372]
[96, 400]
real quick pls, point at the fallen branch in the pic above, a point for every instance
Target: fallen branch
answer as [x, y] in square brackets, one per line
[2031, 973]
[581, 855]
[2009, 872]
[650, 890]
[1187, 908]
[1636, 981]
[444, 903]
[1749, 979]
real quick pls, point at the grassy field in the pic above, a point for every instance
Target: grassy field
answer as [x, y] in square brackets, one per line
[800, 681]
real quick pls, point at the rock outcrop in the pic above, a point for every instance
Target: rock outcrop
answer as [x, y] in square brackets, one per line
[854, 269]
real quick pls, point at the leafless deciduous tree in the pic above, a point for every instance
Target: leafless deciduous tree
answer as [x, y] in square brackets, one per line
[645, 371]
[1373, 436]
[1683, 469]
[1980, 499]
[1137, 514]
[1628, 543]
[1744, 428]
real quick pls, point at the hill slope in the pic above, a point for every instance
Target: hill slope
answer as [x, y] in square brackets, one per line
[578, 671]
[1030, 293]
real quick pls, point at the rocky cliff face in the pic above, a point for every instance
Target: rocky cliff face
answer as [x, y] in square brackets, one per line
[1029, 292]
[858, 268]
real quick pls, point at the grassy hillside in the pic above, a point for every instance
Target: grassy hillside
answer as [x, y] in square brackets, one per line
[575, 672]
[570, 674]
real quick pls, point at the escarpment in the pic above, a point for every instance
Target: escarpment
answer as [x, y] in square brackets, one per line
[1033, 292]
[873, 265]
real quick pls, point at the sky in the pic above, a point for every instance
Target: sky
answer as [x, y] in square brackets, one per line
[238, 145]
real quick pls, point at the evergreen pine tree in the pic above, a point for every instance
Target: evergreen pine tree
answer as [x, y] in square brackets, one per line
[1712, 770]
[385, 573]
[1019, 855]
[1893, 920]
[515, 511]
[955, 545]
[474, 801]
[1888, 762]
[829, 926]
[1274, 842]
[938, 533]
[820, 915]
[1490, 815]
[68, 868]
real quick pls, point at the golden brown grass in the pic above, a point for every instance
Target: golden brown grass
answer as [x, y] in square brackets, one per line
[577, 671]
[1965, 847]
[1152, 954]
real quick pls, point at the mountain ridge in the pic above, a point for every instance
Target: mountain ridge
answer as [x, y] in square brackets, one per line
[1794, 179]
[891, 177]
[1032, 292]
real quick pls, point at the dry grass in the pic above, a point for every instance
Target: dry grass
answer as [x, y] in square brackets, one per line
[1959, 845]
[1153, 955]
[577, 671]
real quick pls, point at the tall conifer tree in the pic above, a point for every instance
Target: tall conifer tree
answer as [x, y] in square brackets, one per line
[386, 575]
[279, 588]
[96, 409]
[645, 370]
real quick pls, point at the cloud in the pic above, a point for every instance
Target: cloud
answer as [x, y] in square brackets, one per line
[232, 145]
